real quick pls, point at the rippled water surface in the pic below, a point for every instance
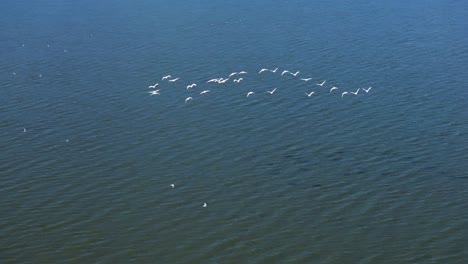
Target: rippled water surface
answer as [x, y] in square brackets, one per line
[88, 156]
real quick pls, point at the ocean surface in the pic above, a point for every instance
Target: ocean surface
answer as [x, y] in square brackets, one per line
[88, 156]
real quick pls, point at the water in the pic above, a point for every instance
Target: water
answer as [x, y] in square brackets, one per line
[374, 178]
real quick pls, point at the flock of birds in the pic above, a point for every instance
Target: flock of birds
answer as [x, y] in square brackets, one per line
[239, 79]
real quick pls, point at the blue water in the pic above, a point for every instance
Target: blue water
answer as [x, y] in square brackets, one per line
[380, 177]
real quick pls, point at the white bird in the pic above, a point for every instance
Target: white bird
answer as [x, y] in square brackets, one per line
[343, 94]
[274, 71]
[213, 80]
[238, 80]
[166, 77]
[306, 79]
[191, 85]
[249, 93]
[205, 205]
[232, 74]
[173, 80]
[153, 86]
[14, 73]
[188, 99]
[24, 130]
[310, 94]
[272, 91]
[204, 91]
[172, 185]
[367, 90]
[293, 74]
[333, 88]
[155, 92]
[221, 80]
[356, 92]
[243, 72]
[262, 70]
[321, 84]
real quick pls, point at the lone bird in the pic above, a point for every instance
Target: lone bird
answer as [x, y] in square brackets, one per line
[249, 93]
[172, 185]
[205, 205]
[272, 91]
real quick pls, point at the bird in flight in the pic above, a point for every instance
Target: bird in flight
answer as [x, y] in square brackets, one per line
[205, 205]
[188, 99]
[232, 74]
[214, 80]
[242, 72]
[204, 91]
[274, 71]
[249, 93]
[191, 85]
[321, 84]
[172, 185]
[333, 88]
[356, 92]
[238, 80]
[310, 94]
[306, 79]
[155, 92]
[173, 80]
[343, 94]
[272, 91]
[24, 130]
[367, 90]
[293, 74]
[166, 77]
[153, 86]
[262, 70]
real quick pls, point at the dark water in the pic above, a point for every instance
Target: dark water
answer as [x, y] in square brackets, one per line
[380, 177]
